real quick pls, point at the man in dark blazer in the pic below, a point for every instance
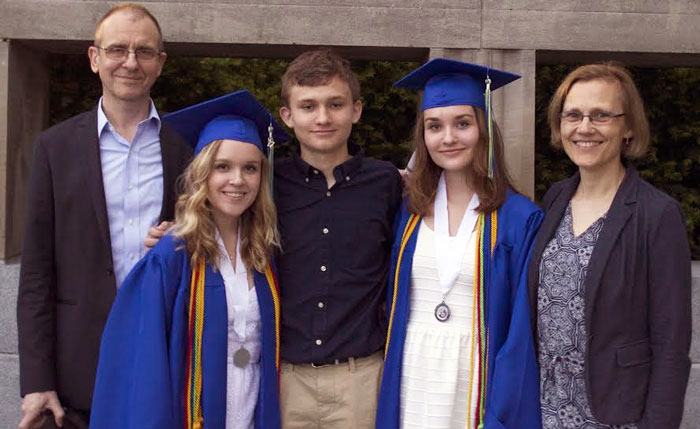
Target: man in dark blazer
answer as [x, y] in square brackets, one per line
[98, 181]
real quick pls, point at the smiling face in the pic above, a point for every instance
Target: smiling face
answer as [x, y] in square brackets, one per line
[126, 80]
[451, 136]
[595, 147]
[234, 180]
[322, 117]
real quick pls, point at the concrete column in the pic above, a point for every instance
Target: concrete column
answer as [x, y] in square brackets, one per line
[24, 110]
[514, 107]
[24, 96]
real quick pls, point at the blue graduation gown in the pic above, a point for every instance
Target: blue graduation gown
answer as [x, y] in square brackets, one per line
[512, 387]
[143, 355]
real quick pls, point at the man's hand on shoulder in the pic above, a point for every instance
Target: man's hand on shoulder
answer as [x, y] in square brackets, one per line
[34, 406]
[155, 233]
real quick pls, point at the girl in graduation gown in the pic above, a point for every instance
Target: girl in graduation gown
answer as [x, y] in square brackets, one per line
[459, 350]
[192, 339]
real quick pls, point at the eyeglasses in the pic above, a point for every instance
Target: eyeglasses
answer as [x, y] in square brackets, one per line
[597, 117]
[117, 53]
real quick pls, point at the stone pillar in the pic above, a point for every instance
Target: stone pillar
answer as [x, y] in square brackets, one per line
[24, 105]
[24, 110]
[514, 107]
[691, 413]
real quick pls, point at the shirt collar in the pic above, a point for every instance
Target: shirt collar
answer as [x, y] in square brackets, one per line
[347, 168]
[102, 120]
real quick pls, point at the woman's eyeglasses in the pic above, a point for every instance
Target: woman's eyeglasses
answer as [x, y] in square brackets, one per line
[597, 117]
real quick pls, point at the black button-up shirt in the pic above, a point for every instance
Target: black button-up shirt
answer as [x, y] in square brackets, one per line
[335, 254]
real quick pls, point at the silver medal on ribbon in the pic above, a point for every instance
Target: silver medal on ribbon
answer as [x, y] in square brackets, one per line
[442, 312]
[241, 357]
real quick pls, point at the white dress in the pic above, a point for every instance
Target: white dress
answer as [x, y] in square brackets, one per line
[437, 355]
[242, 384]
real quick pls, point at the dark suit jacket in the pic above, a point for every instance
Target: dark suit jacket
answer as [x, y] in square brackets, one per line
[637, 304]
[67, 281]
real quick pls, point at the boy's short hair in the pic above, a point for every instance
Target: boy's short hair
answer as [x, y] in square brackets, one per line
[318, 67]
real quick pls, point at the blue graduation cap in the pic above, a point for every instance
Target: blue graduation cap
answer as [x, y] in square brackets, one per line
[447, 82]
[236, 116]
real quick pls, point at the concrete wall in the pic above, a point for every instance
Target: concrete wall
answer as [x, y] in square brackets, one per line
[9, 362]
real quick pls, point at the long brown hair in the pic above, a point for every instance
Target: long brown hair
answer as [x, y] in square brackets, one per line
[195, 224]
[423, 180]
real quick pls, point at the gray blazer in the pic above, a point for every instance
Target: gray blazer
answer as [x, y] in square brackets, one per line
[637, 304]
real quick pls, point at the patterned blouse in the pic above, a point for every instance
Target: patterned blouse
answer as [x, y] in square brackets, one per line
[562, 331]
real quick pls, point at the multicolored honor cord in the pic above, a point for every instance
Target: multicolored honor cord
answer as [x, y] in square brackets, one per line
[413, 220]
[193, 382]
[274, 290]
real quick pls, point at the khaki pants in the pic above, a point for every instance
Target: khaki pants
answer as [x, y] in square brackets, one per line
[342, 396]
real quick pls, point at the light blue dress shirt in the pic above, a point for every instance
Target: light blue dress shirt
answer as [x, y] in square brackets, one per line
[133, 182]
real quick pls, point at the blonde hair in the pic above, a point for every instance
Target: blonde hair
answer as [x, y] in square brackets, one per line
[632, 105]
[195, 224]
[425, 174]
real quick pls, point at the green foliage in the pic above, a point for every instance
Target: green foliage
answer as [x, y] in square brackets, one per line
[384, 130]
[673, 161]
[74, 87]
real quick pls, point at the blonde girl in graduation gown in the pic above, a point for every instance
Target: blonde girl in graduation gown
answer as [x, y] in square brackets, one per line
[192, 340]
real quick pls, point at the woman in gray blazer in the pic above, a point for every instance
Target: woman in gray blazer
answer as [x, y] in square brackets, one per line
[609, 278]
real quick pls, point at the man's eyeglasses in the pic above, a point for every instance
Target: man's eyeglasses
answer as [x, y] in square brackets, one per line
[121, 54]
[597, 117]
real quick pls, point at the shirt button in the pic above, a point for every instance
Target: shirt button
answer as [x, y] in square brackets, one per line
[323, 268]
[325, 230]
[306, 179]
[131, 221]
[319, 342]
[320, 304]
[315, 171]
[347, 178]
[328, 194]
[131, 187]
[131, 256]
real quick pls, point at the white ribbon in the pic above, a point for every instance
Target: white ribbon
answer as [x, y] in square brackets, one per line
[449, 251]
[238, 293]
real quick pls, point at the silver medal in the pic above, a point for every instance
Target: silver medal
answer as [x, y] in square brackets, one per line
[241, 357]
[442, 312]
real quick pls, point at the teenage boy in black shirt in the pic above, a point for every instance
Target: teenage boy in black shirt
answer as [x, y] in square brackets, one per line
[336, 210]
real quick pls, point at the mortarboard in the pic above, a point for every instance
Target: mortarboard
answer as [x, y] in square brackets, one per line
[236, 116]
[447, 82]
